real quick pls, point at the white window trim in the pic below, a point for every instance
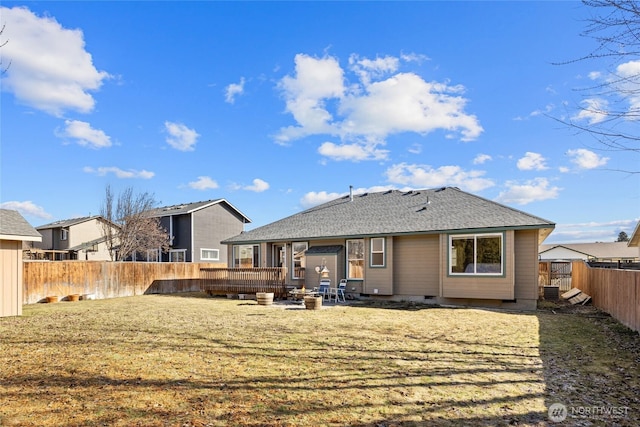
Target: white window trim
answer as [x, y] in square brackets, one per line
[383, 252]
[64, 234]
[475, 253]
[156, 252]
[174, 251]
[215, 258]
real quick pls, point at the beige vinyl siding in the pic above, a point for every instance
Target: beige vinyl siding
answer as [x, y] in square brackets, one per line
[480, 287]
[526, 264]
[10, 278]
[84, 232]
[380, 278]
[416, 265]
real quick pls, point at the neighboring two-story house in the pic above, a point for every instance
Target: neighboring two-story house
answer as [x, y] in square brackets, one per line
[196, 230]
[73, 239]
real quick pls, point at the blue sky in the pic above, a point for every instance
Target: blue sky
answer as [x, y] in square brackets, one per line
[278, 106]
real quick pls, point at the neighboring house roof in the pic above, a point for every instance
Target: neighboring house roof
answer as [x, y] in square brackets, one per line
[187, 208]
[634, 240]
[13, 226]
[85, 245]
[396, 212]
[601, 250]
[64, 223]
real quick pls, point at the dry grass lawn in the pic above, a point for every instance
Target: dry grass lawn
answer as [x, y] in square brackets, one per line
[195, 361]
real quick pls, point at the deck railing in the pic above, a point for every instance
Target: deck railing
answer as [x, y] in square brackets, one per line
[244, 280]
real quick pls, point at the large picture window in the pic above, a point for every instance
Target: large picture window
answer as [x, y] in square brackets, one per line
[246, 256]
[476, 254]
[377, 252]
[298, 262]
[355, 259]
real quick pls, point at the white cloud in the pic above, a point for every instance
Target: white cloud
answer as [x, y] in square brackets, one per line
[530, 191]
[50, 68]
[423, 176]
[586, 159]
[233, 90]
[367, 68]
[316, 81]
[415, 149]
[203, 183]
[592, 231]
[84, 134]
[594, 75]
[257, 186]
[532, 161]
[481, 159]
[353, 152]
[181, 137]
[119, 173]
[314, 198]
[593, 111]
[407, 103]
[382, 102]
[26, 208]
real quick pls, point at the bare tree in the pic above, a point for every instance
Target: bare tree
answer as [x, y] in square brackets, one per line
[137, 232]
[610, 109]
[3, 43]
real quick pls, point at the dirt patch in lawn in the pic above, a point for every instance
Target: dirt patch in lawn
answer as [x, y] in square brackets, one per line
[194, 361]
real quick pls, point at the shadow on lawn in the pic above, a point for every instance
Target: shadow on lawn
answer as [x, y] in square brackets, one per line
[568, 346]
[590, 365]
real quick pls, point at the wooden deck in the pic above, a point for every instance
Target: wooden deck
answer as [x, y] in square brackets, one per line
[221, 281]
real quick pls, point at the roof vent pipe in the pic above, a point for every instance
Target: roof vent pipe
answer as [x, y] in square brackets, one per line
[351, 193]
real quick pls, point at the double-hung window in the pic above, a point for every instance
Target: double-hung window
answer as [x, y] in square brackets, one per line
[355, 259]
[480, 254]
[377, 252]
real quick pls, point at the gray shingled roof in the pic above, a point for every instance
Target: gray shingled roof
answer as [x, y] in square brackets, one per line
[395, 212]
[186, 208]
[64, 223]
[12, 224]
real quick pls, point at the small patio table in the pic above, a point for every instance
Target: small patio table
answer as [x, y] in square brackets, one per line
[299, 294]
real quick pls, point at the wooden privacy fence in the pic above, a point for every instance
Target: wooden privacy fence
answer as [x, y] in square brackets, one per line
[615, 291]
[244, 280]
[105, 279]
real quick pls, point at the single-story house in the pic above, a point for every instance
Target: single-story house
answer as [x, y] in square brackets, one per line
[439, 245]
[600, 251]
[196, 229]
[14, 230]
[73, 239]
